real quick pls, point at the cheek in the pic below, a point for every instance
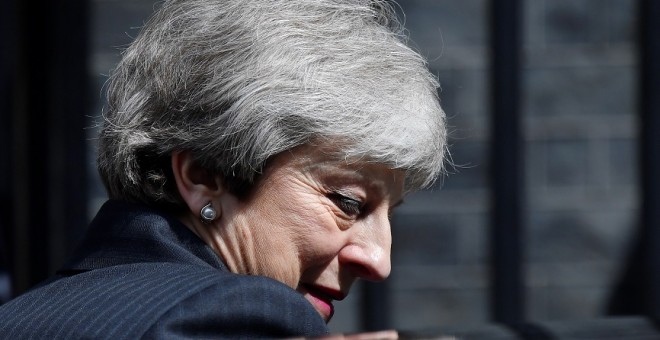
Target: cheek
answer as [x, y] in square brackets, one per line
[276, 256]
[288, 236]
[296, 232]
[318, 239]
[304, 217]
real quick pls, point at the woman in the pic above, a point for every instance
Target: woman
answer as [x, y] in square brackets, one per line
[253, 152]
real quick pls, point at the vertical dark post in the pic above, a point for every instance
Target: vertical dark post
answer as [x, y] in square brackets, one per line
[7, 67]
[507, 289]
[47, 120]
[375, 306]
[69, 86]
[650, 148]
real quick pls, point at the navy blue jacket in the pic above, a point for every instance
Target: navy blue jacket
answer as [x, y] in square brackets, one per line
[140, 273]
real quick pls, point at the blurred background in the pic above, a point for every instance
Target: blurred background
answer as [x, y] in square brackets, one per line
[546, 216]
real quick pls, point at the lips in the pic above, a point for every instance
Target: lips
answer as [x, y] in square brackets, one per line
[321, 298]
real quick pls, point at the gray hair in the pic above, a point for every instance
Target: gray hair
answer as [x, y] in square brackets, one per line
[236, 82]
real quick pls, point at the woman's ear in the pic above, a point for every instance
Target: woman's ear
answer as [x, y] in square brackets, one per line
[196, 185]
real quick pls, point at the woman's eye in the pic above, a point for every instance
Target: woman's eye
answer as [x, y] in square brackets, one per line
[349, 206]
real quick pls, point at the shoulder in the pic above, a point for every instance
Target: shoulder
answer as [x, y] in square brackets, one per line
[240, 306]
[159, 299]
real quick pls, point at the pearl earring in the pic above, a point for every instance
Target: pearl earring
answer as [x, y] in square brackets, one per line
[208, 214]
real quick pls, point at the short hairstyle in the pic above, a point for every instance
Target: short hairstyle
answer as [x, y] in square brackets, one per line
[236, 82]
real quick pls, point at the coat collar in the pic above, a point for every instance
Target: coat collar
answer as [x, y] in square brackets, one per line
[124, 233]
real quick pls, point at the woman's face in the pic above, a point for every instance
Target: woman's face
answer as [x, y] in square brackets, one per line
[314, 223]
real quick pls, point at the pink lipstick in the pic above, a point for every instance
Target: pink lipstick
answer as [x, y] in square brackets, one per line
[321, 298]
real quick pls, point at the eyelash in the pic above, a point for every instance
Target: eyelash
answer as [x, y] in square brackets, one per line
[349, 206]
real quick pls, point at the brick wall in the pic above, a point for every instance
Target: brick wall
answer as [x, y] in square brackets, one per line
[578, 104]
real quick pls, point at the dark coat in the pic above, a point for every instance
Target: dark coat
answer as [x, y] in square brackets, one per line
[140, 273]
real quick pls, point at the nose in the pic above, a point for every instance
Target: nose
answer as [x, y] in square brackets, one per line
[367, 255]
